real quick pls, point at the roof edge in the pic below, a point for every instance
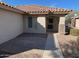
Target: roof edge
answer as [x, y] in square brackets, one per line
[10, 8]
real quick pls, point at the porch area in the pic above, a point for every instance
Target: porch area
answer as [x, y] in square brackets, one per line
[52, 24]
[55, 23]
[30, 46]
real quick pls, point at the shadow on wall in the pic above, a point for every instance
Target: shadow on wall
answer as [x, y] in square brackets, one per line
[36, 27]
[27, 42]
[40, 28]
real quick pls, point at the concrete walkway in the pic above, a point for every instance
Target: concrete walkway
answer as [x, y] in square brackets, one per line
[52, 49]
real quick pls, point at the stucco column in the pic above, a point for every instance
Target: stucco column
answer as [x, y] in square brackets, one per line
[77, 23]
[62, 25]
[41, 24]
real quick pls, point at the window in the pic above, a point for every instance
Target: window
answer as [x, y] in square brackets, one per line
[50, 20]
[50, 26]
[30, 22]
[50, 23]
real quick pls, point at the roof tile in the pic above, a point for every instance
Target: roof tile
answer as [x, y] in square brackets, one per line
[10, 8]
[41, 9]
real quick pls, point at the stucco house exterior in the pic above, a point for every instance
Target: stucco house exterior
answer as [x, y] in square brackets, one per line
[75, 22]
[30, 19]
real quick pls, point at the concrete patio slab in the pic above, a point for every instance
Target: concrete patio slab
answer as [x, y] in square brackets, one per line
[52, 49]
[24, 43]
[32, 46]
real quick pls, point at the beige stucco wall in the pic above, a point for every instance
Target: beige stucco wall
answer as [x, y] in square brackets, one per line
[39, 24]
[62, 25]
[77, 24]
[11, 25]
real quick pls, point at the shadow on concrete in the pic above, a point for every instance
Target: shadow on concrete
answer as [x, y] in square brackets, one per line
[25, 42]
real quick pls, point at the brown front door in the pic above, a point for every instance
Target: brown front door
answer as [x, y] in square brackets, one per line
[49, 24]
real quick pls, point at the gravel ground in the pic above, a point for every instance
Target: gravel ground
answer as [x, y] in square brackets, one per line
[68, 45]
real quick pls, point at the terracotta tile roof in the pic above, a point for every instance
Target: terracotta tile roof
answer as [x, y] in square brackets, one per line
[33, 9]
[41, 9]
[10, 8]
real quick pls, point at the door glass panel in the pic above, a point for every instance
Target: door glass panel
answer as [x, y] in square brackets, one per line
[50, 20]
[50, 26]
[50, 23]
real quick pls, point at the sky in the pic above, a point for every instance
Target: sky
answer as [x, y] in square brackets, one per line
[68, 4]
